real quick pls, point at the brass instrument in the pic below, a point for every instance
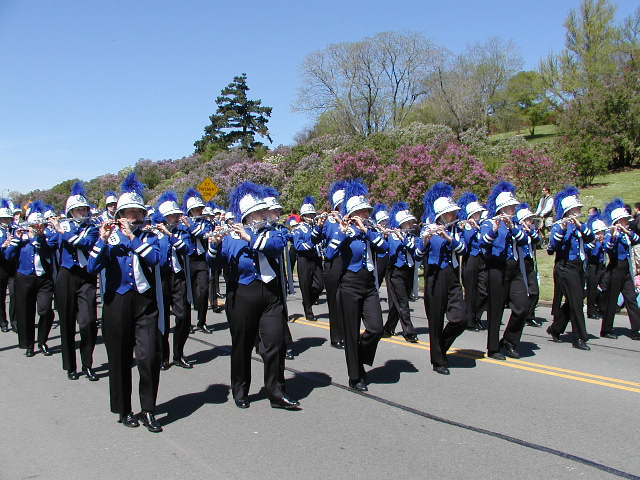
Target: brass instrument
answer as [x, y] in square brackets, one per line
[564, 221]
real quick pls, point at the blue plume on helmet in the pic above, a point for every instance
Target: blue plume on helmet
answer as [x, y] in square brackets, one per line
[37, 206]
[17, 206]
[335, 186]
[78, 189]
[131, 184]
[440, 189]
[379, 207]
[212, 205]
[309, 199]
[465, 199]
[397, 207]
[168, 196]
[245, 188]
[561, 195]
[523, 206]
[270, 192]
[353, 188]
[611, 206]
[593, 218]
[190, 193]
[502, 186]
[110, 193]
[4, 203]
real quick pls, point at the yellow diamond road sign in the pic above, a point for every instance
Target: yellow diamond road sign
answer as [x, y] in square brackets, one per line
[208, 189]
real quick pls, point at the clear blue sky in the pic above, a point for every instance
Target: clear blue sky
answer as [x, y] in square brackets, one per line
[89, 87]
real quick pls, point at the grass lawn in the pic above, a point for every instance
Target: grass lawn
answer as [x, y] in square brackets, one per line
[543, 134]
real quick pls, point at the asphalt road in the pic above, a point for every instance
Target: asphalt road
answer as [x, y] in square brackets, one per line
[556, 413]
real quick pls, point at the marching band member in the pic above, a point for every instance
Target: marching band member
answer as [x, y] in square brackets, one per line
[474, 268]
[212, 213]
[129, 256]
[399, 280]
[333, 267]
[529, 267]
[6, 267]
[305, 237]
[595, 253]
[618, 242]
[196, 263]
[566, 241]
[285, 275]
[380, 217]
[254, 302]
[502, 238]
[174, 242]
[33, 282]
[441, 244]
[357, 297]
[110, 201]
[75, 288]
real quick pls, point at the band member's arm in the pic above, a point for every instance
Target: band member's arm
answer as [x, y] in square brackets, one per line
[534, 233]
[487, 234]
[378, 241]
[301, 241]
[587, 234]
[556, 238]
[337, 240]
[519, 235]
[148, 250]
[269, 242]
[182, 242]
[99, 256]
[11, 252]
[458, 244]
[422, 249]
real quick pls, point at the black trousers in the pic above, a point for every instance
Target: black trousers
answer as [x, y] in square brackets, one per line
[556, 303]
[256, 310]
[570, 277]
[619, 281]
[4, 284]
[75, 292]
[381, 268]
[534, 288]
[310, 280]
[200, 287]
[399, 285]
[130, 325]
[443, 296]
[31, 292]
[358, 299]
[596, 302]
[331, 275]
[214, 286]
[174, 293]
[505, 285]
[12, 301]
[474, 279]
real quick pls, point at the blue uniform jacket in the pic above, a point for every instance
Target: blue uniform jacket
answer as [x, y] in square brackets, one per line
[353, 246]
[565, 242]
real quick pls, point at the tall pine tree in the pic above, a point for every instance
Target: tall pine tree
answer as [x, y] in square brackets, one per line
[237, 120]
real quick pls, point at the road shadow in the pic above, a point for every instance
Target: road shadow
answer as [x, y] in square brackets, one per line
[391, 371]
[208, 354]
[303, 344]
[527, 349]
[185, 405]
[301, 385]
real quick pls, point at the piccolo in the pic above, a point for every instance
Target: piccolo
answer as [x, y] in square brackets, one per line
[564, 221]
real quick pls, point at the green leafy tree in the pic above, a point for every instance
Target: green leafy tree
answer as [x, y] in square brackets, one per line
[237, 121]
[525, 97]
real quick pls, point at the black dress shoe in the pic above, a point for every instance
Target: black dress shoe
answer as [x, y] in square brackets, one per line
[554, 337]
[339, 344]
[386, 333]
[90, 374]
[290, 354]
[182, 363]
[510, 350]
[218, 309]
[241, 402]
[442, 370]
[166, 365]
[610, 335]
[204, 329]
[149, 421]
[129, 420]
[634, 335]
[358, 385]
[29, 352]
[285, 403]
[4, 329]
[411, 338]
[496, 356]
[581, 345]
[192, 329]
[44, 350]
[220, 295]
[72, 375]
[310, 318]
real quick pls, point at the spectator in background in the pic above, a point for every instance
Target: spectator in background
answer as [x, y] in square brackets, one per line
[545, 211]
[294, 215]
[593, 211]
[635, 223]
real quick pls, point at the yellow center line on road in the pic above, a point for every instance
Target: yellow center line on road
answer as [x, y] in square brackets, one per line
[576, 375]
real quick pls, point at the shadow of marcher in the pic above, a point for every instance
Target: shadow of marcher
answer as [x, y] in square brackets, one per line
[527, 349]
[185, 405]
[299, 386]
[390, 371]
[207, 355]
[303, 344]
